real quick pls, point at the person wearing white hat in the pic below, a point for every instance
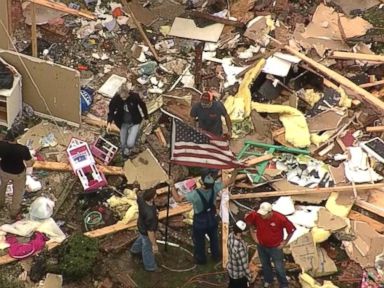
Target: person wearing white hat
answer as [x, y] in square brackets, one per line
[267, 230]
[238, 263]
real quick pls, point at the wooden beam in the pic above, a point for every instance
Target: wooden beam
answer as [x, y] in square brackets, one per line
[111, 229]
[182, 208]
[198, 14]
[356, 56]
[363, 94]
[34, 31]
[306, 191]
[356, 216]
[256, 160]
[375, 129]
[141, 30]
[224, 235]
[370, 207]
[66, 167]
[64, 8]
[372, 84]
[100, 123]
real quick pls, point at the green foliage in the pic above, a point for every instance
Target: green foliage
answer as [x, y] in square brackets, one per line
[8, 276]
[78, 257]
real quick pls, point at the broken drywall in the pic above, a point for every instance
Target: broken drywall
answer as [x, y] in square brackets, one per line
[58, 85]
[328, 221]
[367, 245]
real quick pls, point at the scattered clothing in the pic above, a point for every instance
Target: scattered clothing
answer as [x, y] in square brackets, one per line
[19, 250]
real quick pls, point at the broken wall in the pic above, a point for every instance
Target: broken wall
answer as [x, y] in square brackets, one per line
[4, 24]
[59, 86]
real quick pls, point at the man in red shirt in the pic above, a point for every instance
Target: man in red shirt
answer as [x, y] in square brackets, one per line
[267, 230]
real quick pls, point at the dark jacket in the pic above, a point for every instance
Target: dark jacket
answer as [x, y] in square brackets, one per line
[116, 109]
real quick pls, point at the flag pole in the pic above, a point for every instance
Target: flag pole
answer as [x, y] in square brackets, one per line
[169, 186]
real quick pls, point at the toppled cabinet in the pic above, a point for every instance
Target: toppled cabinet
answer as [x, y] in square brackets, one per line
[10, 94]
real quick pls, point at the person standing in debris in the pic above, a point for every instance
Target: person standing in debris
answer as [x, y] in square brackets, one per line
[204, 219]
[267, 230]
[207, 115]
[238, 262]
[146, 244]
[124, 111]
[16, 162]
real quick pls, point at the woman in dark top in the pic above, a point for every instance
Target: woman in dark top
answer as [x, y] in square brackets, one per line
[124, 111]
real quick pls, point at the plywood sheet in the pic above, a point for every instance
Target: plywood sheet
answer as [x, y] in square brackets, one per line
[328, 221]
[59, 86]
[186, 28]
[145, 170]
[328, 120]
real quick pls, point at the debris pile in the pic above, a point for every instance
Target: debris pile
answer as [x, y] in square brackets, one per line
[301, 83]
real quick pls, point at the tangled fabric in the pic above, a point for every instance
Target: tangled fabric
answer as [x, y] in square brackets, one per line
[20, 250]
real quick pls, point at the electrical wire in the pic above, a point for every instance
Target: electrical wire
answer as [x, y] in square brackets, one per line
[242, 205]
[182, 248]
[196, 279]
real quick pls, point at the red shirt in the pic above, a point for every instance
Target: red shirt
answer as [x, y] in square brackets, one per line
[270, 232]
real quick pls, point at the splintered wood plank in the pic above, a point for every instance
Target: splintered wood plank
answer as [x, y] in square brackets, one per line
[309, 191]
[356, 216]
[120, 226]
[65, 167]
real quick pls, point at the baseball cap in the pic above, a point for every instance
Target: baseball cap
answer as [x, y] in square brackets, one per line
[265, 208]
[241, 225]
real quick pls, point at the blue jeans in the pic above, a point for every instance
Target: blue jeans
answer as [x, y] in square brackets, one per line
[205, 224]
[144, 246]
[128, 135]
[277, 256]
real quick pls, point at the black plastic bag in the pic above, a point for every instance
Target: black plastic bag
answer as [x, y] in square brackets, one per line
[6, 77]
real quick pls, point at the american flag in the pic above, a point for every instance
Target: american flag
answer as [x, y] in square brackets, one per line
[193, 148]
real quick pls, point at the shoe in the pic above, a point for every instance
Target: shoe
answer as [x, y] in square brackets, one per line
[157, 270]
[266, 285]
[199, 262]
[136, 255]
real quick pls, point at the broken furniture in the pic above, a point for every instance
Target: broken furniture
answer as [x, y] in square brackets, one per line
[10, 99]
[103, 150]
[83, 165]
[249, 149]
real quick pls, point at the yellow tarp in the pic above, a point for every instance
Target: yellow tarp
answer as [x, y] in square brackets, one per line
[239, 107]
